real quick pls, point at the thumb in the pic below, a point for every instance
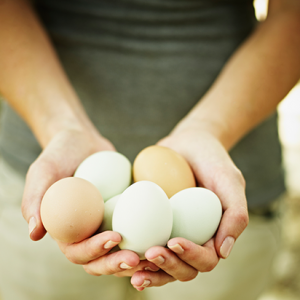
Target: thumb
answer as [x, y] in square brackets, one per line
[233, 223]
[40, 176]
[235, 217]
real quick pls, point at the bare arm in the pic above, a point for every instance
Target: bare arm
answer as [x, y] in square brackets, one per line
[32, 79]
[36, 86]
[256, 78]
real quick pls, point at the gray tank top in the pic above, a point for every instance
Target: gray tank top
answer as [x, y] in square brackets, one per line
[139, 66]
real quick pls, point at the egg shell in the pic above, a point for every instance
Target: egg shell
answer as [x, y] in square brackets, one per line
[165, 167]
[196, 214]
[143, 216]
[109, 207]
[72, 210]
[109, 171]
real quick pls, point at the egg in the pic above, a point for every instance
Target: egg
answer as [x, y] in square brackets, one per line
[109, 207]
[143, 217]
[164, 167]
[72, 210]
[109, 171]
[196, 214]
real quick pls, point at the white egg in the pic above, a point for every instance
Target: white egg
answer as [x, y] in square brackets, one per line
[196, 214]
[109, 207]
[109, 171]
[143, 216]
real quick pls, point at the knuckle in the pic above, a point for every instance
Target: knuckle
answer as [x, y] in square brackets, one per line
[209, 267]
[242, 217]
[89, 271]
[91, 252]
[72, 258]
[239, 176]
[190, 276]
[229, 174]
[171, 266]
[62, 248]
[109, 269]
[193, 256]
[122, 274]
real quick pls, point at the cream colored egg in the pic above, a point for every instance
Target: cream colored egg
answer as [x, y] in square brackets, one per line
[109, 207]
[109, 171]
[143, 217]
[196, 214]
[165, 167]
[72, 210]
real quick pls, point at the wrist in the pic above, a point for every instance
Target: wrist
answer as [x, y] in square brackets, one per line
[48, 126]
[47, 117]
[197, 125]
[54, 125]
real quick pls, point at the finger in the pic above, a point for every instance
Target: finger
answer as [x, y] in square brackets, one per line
[91, 248]
[235, 216]
[39, 172]
[143, 279]
[233, 223]
[144, 265]
[59, 159]
[53, 164]
[202, 258]
[112, 263]
[169, 262]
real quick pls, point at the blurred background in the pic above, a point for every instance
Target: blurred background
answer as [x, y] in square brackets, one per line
[286, 270]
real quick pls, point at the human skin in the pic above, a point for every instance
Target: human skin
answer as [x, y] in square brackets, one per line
[256, 78]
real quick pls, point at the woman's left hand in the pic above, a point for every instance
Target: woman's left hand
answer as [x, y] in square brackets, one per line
[214, 170]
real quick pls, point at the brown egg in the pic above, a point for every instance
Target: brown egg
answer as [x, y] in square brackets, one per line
[165, 167]
[72, 210]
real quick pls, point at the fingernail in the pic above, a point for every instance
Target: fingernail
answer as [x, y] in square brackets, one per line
[32, 224]
[110, 244]
[177, 249]
[150, 269]
[227, 246]
[146, 283]
[125, 266]
[158, 260]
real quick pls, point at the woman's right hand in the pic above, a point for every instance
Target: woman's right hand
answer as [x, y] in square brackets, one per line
[35, 85]
[59, 159]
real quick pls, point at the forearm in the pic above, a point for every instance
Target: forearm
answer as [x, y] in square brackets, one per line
[257, 77]
[32, 79]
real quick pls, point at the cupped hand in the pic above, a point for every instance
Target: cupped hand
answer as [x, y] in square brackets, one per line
[214, 170]
[97, 258]
[60, 159]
